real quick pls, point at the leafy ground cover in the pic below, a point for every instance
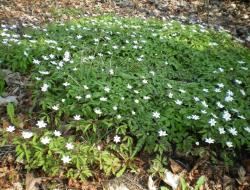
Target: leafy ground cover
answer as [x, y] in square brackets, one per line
[107, 89]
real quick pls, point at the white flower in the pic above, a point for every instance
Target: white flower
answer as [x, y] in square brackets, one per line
[146, 97]
[117, 139]
[226, 116]
[212, 122]
[238, 81]
[242, 92]
[66, 56]
[247, 129]
[217, 90]
[203, 111]
[233, 131]
[119, 116]
[136, 91]
[129, 86]
[133, 113]
[69, 146]
[136, 101]
[88, 96]
[221, 130]
[107, 89]
[230, 93]
[182, 91]
[197, 143]
[220, 85]
[162, 133]
[27, 134]
[78, 97]
[196, 99]
[156, 115]
[78, 37]
[41, 124]
[204, 104]
[178, 102]
[170, 95]
[115, 108]
[77, 117]
[98, 111]
[205, 90]
[209, 140]
[144, 81]
[55, 107]
[63, 100]
[103, 99]
[228, 98]
[44, 72]
[111, 71]
[45, 87]
[10, 129]
[35, 61]
[229, 144]
[57, 133]
[85, 87]
[66, 159]
[45, 140]
[152, 73]
[195, 117]
[219, 105]
[66, 84]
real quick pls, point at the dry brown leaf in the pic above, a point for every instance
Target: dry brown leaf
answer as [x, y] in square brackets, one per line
[31, 182]
[175, 167]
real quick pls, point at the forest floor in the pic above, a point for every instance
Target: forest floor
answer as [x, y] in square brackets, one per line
[234, 16]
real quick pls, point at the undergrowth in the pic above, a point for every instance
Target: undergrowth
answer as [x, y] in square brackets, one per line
[109, 88]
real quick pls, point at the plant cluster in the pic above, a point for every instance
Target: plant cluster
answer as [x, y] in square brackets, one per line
[108, 88]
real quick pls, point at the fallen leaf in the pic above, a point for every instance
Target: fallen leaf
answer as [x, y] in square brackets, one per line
[175, 167]
[171, 179]
[31, 182]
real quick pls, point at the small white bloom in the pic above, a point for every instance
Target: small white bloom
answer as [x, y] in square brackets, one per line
[182, 91]
[229, 144]
[230, 93]
[66, 159]
[77, 117]
[119, 116]
[162, 133]
[146, 97]
[247, 129]
[209, 140]
[10, 128]
[35, 61]
[115, 108]
[41, 124]
[78, 97]
[195, 117]
[111, 71]
[88, 96]
[98, 111]
[66, 84]
[63, 100]
[212, 122]
[204, 104]
[196, 99]
[219, 105]
[27, 134]
[203, 111]
[242, 92]
[66, 56]
[85, 87]
[133, 113]
[205, 90]
[144, 81]
[117, 139]
[136, 101]
[233, 131]
[45, 87]
[238, 81]
[107, 89]
[156, 115]
[57, 133]
[197, 143]
[103, 99]
[136, 91]
[178, 102]
[221, 130]
[170, 95]
[217, 90]
[228, 99]
[129, 86]
[45, 140]
[69, 146]
[226, 116]
[220, 85]
[44, 72]
[55, 107]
